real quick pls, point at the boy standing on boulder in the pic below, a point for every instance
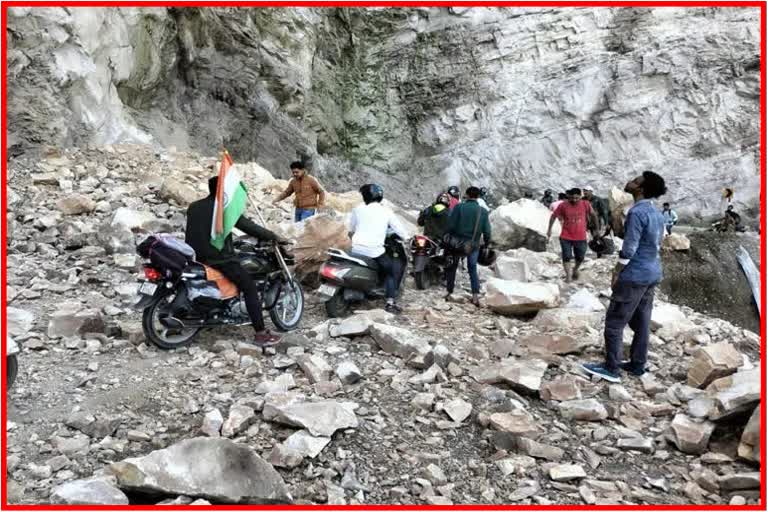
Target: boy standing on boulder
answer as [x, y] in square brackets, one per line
[634, 279]
[574, 216]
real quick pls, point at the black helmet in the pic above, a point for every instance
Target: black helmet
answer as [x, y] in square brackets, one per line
[454, 191]
[372, 193]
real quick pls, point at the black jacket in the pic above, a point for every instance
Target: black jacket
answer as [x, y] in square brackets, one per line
[435, 222]
[198, 233]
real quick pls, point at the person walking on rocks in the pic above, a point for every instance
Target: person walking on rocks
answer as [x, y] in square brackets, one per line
[225, 260]
[634, 280]
[670, 217]
[574, 216]
[600, 206]
[468, 223]
[309, 195]
[548, 198]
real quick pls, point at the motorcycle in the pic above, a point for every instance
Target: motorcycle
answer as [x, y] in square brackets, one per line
[11, 362]
[429, 261]
[177, 307]
[346, 279]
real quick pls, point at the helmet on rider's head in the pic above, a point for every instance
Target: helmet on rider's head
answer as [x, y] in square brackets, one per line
[372, 193]
[454, 191]
[443, 199]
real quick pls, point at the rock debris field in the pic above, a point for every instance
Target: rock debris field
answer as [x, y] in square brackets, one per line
[444, 404]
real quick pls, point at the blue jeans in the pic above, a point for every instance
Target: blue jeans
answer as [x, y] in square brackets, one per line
[632, 304]
[303, 213]
[390, 267]
[571, 248]
[474, 280]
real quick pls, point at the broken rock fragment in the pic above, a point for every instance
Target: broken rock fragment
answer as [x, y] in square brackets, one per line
[516, 298]
[96, 491]
[522, 374]
[583, 410]
[321, 418]
[688, 435]
[712, 362]
[177, 470]
[749, 446]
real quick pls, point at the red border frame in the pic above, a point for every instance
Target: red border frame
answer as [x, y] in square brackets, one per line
[381, 3]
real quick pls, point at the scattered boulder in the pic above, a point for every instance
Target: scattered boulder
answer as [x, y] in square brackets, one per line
[319, 418]
[639, 444]
[177, 470]
[348, 372]
[20, 321]
[739, 481]
[522, 223]
[546, 345]
[282, 456]
[355, 325]
[315, 367]
[212, 423]
[735, 394]
[132, 219]
[178, 192]
[516, 298]
[76, 204]
[566, 472]
[585, 301]
[712, 362]
[306, 444]
[97, 491]
[522, 374]
[540, 451]
[688, 435]
[749, 446]
[510, 268]
[560, 319]
[583, 410]
[619, 203]
[516, 422]
[676, 242]
[458, 410]
[398, 341]
[70, 319]
[563, 388]
[240, 417]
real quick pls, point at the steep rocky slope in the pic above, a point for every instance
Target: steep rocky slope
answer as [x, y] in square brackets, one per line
[515, 98]
[443, 404]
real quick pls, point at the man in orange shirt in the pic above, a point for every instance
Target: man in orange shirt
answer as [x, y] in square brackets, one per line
[309, 195]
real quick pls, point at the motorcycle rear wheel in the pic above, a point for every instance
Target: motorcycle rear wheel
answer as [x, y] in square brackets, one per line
[11, 370]
[336, 306]
[160, 335]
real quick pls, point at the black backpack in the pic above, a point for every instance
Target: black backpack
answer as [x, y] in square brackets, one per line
[166, 259]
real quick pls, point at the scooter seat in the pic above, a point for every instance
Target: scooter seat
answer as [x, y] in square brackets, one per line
[364, 261]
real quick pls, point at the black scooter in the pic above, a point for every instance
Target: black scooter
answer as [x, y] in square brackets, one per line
[349, 279]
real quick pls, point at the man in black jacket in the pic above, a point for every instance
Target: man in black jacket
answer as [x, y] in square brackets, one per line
[198, 235]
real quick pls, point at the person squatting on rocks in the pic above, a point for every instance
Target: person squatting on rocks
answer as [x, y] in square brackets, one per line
[574, 215]
[468, 222]
[634, 280]
[368, 228]
[309, 194]
[455, 196]
[226, 261]
[548, 198]
[670, 217]
[434, 218]
[601, 209]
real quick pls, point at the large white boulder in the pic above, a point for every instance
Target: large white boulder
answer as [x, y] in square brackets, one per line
[522, 223]
[619, 202]
[515, 297]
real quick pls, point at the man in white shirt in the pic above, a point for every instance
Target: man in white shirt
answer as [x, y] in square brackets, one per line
[368, 227]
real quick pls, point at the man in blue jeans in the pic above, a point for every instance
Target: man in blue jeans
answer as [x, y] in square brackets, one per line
[468, 222]
[308, 193]
[634, 279]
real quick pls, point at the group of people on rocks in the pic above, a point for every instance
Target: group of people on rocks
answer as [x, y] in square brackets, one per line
[633, 282]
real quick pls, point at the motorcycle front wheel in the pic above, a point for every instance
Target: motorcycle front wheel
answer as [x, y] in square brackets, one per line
[287, 312]
[160, 335]
[11, 370]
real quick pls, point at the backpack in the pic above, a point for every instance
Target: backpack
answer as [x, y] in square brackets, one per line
[168, 254]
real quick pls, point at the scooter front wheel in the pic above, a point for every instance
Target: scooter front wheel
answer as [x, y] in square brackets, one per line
[336, 306]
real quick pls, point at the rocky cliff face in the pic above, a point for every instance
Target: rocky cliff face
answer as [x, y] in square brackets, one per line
[517, 99]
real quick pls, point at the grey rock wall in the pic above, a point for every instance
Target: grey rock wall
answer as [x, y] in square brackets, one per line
[519, 99]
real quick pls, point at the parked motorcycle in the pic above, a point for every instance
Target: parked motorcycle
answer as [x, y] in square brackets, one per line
[429, 261]
[346, 279]
[11, 362]
[177, 307]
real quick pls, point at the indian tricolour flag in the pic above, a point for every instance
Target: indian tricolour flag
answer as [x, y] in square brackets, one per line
[229, 203]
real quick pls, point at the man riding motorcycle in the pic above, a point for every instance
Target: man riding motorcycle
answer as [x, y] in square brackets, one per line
[434, 218]
[368, 228]
[198, 235]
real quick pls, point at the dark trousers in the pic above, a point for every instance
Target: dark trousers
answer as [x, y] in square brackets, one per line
[390, 268]
[474, 280]
[238, 275]
[631, 303]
